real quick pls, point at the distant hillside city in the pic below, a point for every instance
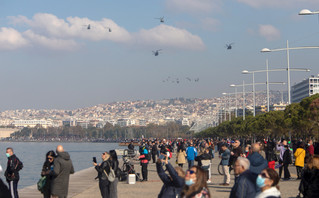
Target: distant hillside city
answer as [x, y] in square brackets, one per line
[204, 112]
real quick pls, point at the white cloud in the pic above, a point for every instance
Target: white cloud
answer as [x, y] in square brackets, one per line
[11, 39]
[269, 32]
[193, 6]
[280, 3]
[49, 31]
[164, 35]
[50, 43]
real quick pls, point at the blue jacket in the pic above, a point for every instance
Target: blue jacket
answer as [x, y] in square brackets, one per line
[191, 153]
[245, 186]
[172, 186]
[257, 163]
[225, 157]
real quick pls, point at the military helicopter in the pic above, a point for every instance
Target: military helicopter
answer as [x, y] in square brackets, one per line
[229, 46]
[109, 29]
[161, 19]
[88, 26]
[156, 52]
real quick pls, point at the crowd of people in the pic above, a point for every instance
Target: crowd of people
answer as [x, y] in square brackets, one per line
[253, 163]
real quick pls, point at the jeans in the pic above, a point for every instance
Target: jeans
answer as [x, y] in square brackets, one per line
[190, 163]
[104, 188]
[113, 188]
[144, 171]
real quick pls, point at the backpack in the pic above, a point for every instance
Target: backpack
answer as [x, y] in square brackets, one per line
[41, 183]
[111, 176]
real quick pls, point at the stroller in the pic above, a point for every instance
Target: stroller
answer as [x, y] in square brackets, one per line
[128, 166]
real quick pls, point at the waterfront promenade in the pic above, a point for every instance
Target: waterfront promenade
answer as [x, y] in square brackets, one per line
[83, 185]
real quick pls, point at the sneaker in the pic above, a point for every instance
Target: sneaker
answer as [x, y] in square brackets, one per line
[209, 181]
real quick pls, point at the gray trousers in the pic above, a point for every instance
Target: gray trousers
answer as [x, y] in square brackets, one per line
[113, 188]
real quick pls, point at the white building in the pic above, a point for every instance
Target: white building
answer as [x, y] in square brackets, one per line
[32, 123]
[305, 88]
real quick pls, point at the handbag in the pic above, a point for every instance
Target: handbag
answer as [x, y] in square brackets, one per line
[41, 183]
[111, 176]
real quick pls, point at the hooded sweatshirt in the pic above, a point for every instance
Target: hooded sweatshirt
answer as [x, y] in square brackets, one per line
[271, 192]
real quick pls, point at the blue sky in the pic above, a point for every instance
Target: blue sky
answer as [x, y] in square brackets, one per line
[50, 60]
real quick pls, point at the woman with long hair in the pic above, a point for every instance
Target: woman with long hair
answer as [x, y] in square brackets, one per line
[103, 170]
[115, 167]
[196, 186]
[310, 178]
[46, 171]
[268, 181]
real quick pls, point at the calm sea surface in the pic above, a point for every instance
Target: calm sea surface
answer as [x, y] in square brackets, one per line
[32, 154]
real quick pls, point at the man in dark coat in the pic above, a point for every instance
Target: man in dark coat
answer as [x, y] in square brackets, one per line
[63, 167]
[245, 181]
[14, 165]
[257, 162]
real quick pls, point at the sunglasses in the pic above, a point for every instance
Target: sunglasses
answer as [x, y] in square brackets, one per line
[50, 158]
[263, 175]
[191, 172]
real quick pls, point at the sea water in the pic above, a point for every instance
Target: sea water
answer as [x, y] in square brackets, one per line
[32, 154]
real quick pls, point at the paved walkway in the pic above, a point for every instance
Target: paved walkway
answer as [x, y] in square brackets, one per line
[83, 185]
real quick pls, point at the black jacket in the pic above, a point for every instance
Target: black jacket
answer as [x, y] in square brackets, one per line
[309, 184]
[14, 165]
[4, 190]
[287, 157]
[173, 185]
[105, 165]
[46, 171]
[245, 186]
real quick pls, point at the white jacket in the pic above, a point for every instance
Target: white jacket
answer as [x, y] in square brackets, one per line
[273, 191]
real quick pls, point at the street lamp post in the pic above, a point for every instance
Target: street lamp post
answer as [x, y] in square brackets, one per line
[288, 64]
[267, 83]
[232, 85]
[244, 100]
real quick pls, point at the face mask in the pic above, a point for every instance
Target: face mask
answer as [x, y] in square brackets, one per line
[7, 154]
[246, 151]
[308, 144]
[189, 182]
[260, 181]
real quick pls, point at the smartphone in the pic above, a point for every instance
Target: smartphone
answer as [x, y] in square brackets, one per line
[94, 160]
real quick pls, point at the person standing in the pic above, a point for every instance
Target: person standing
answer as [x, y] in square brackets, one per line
[181, 156]
[268, 181]
[144, 160]
[62, 169]
[47, 169]
[300, 155]
[281, 147]
[115, 167]
[191, 153]
[286, 162]
[103, 169]
[257, 162]
[154, 151]
[225, 163]
[245, 181]
[14, 165]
